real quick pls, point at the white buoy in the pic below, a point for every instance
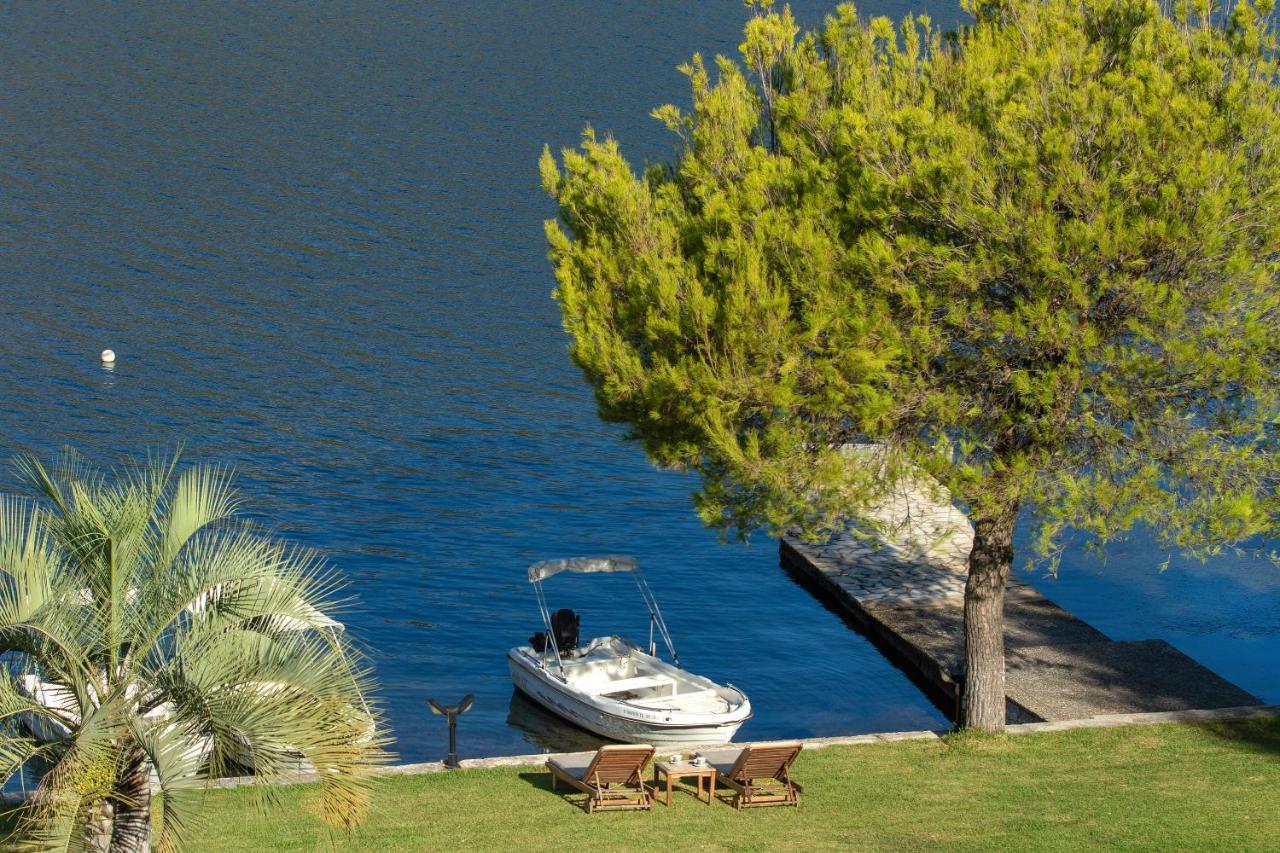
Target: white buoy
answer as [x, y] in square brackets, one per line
[108, 356]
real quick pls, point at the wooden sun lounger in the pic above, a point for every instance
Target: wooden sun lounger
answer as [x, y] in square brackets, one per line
[759, 775]
[616, 764]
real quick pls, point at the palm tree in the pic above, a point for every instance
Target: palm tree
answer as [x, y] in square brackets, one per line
[150, 640]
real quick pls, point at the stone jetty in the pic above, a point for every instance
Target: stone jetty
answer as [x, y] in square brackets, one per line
[904, 589]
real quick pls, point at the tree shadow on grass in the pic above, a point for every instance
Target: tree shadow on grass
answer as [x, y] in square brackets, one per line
[543, 782]
[1260, 734]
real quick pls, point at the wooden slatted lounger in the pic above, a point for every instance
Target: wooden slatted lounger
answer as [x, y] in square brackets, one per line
[617, 764]
[759, 775]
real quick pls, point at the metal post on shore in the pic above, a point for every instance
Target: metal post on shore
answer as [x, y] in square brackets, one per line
[451, 714]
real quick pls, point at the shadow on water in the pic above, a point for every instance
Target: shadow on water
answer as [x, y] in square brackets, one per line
[1224, 614]
[944, 702]
[546, 731]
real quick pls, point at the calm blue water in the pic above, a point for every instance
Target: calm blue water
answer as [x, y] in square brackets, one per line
[312, 233]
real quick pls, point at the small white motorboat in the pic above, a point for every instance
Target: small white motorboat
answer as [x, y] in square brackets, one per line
[613, 687]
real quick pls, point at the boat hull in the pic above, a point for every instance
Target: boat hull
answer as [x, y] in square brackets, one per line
[617, 720]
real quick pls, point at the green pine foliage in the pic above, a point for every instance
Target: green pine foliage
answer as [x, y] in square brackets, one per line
[1036, 257]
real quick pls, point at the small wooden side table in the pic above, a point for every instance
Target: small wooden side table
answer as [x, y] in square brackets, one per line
[685, 770]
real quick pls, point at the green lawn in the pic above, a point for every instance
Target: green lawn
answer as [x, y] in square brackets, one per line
[1151, 787]
[1171, 787]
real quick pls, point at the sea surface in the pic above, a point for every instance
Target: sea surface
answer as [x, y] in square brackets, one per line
[312, 231]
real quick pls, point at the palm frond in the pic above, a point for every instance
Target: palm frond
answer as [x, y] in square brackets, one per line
[18, 751]
[29, 562]
[282, 702]
[32, 470]
[57, 817]
[154, 631]
[177, 751]
[19, 708]
[203, 496]
[235, 579]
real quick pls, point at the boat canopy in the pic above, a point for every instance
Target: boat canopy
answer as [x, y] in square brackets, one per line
[582, 565]
[539, 572]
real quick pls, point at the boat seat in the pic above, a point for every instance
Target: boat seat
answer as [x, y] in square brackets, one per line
[626, 685]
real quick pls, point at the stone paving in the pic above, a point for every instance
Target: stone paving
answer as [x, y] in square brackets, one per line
[904, 586]
[921, 550]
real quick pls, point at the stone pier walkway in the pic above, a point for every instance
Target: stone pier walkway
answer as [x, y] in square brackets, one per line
[905, 590]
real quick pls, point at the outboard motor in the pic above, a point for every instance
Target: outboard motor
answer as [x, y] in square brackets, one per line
[564, 624]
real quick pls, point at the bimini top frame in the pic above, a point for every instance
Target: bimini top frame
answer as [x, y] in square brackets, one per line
[539, 572]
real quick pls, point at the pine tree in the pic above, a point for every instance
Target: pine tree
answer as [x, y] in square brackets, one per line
[1036, 257]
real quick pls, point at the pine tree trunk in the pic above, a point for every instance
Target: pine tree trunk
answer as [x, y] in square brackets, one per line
[131, 830]
[990, 560]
